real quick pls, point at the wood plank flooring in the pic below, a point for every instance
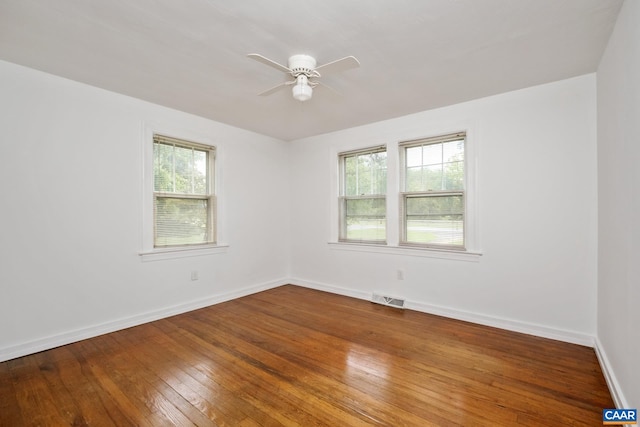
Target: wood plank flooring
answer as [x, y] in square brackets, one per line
[292, 356]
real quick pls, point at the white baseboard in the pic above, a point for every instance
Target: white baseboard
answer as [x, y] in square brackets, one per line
[506, 324]
[69, 337]
[331, 289]
[496, 322]
[610, 377]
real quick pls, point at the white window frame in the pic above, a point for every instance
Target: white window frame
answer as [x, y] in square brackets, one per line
[148, 250]
[343, 198]
[406, 195]
[209, 195]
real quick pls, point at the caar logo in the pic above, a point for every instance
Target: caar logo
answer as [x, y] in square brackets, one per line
[619, 416]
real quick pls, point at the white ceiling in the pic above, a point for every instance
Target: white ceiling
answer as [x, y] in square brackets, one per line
[415, 54]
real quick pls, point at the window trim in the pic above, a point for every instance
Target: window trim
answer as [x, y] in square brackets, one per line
[147, 250]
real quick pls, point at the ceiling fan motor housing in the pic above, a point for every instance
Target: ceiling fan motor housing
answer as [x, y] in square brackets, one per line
[302, 64]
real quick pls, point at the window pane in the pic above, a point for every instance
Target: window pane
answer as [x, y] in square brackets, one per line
[414, 178]
[181, 221]
[370, 174]
[187, 174]
[432, 154]
[365, 219]
[379, 173]
[414, 156]
[179, 169]
[162, 167]
[435, 220]
[442, 167]
[351, 181]
[453, 150]
[200, 172]
[453, 176]
[432, 178]
[366, 207]
[366, 229]
[364, 175]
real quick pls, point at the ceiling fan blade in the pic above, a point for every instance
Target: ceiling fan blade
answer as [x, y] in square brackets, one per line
[269, 62]
[338, 65]
[331, 90]
[276, 88]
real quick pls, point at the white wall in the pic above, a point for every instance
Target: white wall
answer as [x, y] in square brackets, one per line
[537, 203]
[71, 217]
[70, 223]
[619, 205]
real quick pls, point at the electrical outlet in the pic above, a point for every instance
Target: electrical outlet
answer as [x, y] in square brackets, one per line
[400, 274]
[194, 275]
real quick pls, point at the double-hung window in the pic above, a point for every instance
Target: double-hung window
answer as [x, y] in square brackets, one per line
[432, 200]
[184, 203]
[362, 200]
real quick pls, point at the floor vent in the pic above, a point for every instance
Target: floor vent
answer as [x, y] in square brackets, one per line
[387, 300]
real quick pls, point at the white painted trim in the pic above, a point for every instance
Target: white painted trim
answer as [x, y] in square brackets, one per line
[609, 376]
[496, 322]
[191, 251]
[332, 289]
[69, 337]
[506, 324]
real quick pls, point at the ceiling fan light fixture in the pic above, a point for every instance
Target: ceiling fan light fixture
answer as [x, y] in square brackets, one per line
[301, 90]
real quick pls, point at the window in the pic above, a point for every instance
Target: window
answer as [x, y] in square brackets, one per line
[184, 203]
[432, 201]
[362, 201]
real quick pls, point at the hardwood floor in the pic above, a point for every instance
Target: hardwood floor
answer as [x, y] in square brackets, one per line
[298, 357]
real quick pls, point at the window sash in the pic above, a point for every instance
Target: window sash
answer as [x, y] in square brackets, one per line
[175, 229]
[188, 174]
[442, 172]
[363, 227]
[444, 229]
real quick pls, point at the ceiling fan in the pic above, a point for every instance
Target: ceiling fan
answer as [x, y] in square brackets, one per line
[305, 73]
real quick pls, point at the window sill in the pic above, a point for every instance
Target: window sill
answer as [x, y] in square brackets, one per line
[174, 253]
[408, 251]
